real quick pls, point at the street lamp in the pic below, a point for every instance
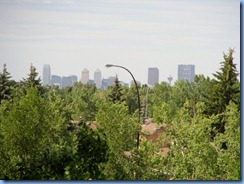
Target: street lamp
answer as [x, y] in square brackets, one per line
[148, 87]
[138, 95]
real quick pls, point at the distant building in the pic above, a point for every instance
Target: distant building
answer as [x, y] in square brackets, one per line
[56, 80]
[90, 81]
[66, 81]
[73, 79]
[98, 78]
[124, 84]
[46, 77]
[85, 76]
[153, 76]
[111, 81]
[104, 84]
[186, 72]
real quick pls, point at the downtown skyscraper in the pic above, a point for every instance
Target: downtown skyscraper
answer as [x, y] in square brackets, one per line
[186, 72]
[153, 76]
[85, 76]
[98, 78]
[46, 75]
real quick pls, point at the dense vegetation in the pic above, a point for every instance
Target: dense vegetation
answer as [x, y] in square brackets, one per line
[45, 131]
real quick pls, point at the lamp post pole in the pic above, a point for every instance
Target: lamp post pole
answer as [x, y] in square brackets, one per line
[138, 96]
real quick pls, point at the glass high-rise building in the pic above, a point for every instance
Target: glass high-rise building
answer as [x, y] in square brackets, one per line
[66, 81]
[46, 77]
[85, 76]
[73, 79]
[111, 81]
[98, 78]
[186, 72]
[153, 76]
[56, 80]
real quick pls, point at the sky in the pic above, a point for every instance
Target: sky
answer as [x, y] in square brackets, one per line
[71, 35]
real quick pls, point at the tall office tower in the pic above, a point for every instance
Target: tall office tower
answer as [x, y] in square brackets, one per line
[85, 76]
[56, 80]
[66, 81]
[153, 76]
[98, 78]
[104, 84]
[111, 81]
[73, 79]
[46, 77]
[186, 72]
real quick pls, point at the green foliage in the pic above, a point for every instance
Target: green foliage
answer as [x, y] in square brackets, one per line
[120, 131]
[164, 113]
[159, 94]
[86, 161]
[205, 87]
[81, 100]
[36, 144]
[5, 85]
[147, 163]
[32, 80]
[27, 131]
[229, 159]
[131, 98]
[115, 94]
[228, 87]
[189, 149]
[119, 127]
[44, 132]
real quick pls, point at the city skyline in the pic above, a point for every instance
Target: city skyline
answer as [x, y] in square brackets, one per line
[72, 35]
[185, 72]
[85, 78]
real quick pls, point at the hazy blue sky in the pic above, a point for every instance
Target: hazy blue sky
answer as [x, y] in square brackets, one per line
[71, 35]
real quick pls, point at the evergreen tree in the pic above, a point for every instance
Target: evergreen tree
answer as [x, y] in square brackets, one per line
[227, 84]
[33, 80]
[226, 88]
[130, 97]
[116, 91]
[5, 85]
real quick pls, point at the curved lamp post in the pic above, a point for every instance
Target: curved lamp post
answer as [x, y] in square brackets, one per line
[138, 95]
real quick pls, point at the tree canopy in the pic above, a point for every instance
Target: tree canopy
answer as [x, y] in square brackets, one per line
[85, 133]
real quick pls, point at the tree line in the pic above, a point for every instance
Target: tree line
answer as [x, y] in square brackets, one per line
[46, 134]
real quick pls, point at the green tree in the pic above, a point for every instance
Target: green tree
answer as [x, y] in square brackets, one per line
[131, 98]
[5, 85]
[32, 80]
[115, 93]
[36, 143]
[161, 90]
[205, 87]
[81, 100]
[90, 153]
[28, 130]
[120, 130]
[226, 88]
[147, 163]
[229, 159]
[191, 155]
[164, 113]
[227, 84]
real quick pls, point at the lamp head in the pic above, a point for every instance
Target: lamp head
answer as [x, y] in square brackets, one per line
[108, 65]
